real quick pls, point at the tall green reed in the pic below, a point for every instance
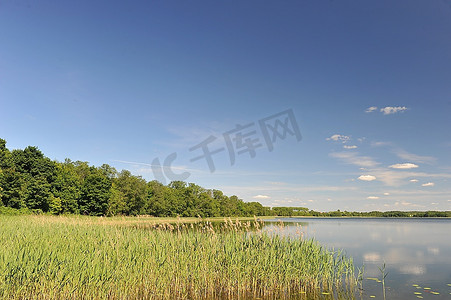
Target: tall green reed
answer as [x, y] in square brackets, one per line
[82, 258]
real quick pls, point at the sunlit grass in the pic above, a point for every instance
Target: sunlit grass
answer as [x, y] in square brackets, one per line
[45, 257]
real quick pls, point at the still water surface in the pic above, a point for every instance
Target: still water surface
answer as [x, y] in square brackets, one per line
[416, 252]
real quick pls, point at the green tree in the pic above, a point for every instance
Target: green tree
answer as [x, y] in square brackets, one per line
[55, 206]
[192, 201]
[108, 171]
[116, 203]
[209, 207]
[5, 156]
[38, 193]
[37, 173]
[95, 194]
[129, 194]
[156, 203]
[13, 189]
[67, 186]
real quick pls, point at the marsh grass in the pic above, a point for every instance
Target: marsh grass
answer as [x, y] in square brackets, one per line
[44, 257]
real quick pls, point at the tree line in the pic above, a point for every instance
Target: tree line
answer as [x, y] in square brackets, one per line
[30, 180]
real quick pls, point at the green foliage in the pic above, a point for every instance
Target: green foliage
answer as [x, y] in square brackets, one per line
[132, 191]
[38, 193]
[13, 188]
[156, 205]
[46, 257]
[5, 156]
[29, 180]
[116, 203]
[67, 186]
[55, 206]
[9, 211]
[95, 194]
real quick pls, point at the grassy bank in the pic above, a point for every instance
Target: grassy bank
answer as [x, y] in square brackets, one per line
[44, 257]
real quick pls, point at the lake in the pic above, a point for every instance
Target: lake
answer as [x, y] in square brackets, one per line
[416, 252]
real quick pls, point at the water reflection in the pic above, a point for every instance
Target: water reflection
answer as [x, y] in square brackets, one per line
[416, 251]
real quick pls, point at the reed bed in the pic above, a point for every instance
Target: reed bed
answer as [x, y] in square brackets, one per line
[44, 257]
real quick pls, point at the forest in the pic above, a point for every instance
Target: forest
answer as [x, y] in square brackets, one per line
[32, 182]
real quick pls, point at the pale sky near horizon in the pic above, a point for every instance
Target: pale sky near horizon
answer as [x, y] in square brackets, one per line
[130, 83]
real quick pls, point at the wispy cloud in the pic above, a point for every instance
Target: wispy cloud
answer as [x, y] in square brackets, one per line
[261, 197]
[180, 168]
[371, 109]
[188, 136]
[350, 147]
[403, 154]
[354, 158]
[413, 157]
[372, 197]
[396, 178]
[406, 203]
[250, 189]
[287, 201]
[404, 166]
[410, 193]
[367, 177]
[428, 184]
[380, 144]
[388, 110]
[279, 183]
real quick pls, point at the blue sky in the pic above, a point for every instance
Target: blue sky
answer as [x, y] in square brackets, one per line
[128, 83]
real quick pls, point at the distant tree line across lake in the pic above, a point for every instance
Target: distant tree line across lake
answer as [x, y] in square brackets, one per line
[31, 181]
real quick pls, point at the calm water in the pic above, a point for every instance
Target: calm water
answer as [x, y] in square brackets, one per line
[415, 251]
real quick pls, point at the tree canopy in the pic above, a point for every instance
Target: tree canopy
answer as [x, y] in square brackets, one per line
[30, 180]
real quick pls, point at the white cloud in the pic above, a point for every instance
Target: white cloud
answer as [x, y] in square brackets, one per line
[339, 137]
[261, 197]
[349, 147]
[367, 177]
[386, 194]
[413, 180]
[428, 184]
[392, 110]
[354, 159]
[371, 109]
[372, 197]
[404, 166]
